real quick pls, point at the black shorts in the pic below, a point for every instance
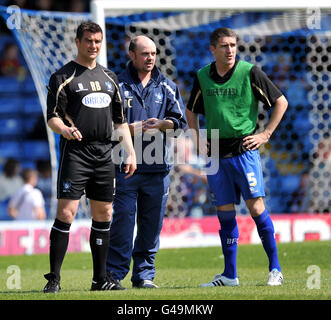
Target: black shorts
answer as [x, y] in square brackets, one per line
[85, 168]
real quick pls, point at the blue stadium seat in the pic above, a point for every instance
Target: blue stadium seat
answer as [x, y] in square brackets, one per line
[35, 150]
[290, 183]
[10, 149]
[28, 165]
[9, 85]
[32, 105]
[3, 211]
[276, 204]
[11, 127]
[10, 104]
[5, 38]
[28, 86]
[30, 122]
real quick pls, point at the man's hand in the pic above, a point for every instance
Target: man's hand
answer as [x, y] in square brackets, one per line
[130, 165]
[124, 136]
[152, 125]
[71, 133]
[255, 141]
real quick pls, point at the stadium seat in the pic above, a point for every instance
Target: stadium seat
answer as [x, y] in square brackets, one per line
[5, 38]
[10, 149]
[290, 183]
[3, 211]
[10, 104]
[276, 204]
[9, 84]
[11, 127]
[29, 123]
[36, 150]
[28, 86]
[28, 165]
[32, 105]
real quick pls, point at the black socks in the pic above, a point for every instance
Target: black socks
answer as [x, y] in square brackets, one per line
[59, 239]
[99, 242]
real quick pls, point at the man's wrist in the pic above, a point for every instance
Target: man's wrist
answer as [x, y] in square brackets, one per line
[168, 124]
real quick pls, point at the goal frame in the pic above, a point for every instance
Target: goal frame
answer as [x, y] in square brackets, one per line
[100, 7]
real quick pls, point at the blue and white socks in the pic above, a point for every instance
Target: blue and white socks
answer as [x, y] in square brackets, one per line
[229, 235]
[265, 229]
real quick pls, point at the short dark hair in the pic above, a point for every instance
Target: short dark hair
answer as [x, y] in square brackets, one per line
[220, 33]
[11, 167]
[87, 26]
[133, 43]
[28, 173]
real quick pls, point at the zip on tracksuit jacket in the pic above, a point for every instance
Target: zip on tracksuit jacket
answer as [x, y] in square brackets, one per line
[160, 99]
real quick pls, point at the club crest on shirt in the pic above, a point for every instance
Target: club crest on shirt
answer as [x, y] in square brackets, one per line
[212, 196]
[109, 86]
[158, 97]
[127, 94]
[66, 186]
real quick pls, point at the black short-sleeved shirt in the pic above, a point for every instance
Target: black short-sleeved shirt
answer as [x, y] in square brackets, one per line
[88, 99]
[263, 88]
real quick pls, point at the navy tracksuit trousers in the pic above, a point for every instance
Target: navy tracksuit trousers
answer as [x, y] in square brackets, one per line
[141, 198]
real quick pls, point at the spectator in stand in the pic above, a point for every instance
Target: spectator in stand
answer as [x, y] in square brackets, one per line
[46, 5]
[78, 6]
[23, 4]
[9, 64]
[28, 202]
[10, 181]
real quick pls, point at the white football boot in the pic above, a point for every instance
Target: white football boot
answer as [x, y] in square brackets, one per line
[220, 281]
[275, 278]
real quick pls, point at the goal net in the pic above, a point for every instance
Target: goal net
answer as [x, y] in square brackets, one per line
[292, 46]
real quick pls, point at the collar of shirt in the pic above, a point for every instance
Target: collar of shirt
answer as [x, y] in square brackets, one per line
[134, 75]
[216, 77]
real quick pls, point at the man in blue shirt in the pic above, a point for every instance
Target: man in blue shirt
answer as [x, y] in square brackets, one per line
[153, 105]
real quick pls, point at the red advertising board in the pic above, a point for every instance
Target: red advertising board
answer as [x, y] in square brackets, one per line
[33, 237]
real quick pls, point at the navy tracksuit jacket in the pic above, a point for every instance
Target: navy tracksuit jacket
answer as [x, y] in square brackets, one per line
[142, 198]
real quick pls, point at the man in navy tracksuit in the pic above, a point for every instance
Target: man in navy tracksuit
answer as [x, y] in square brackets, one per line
[153, 105]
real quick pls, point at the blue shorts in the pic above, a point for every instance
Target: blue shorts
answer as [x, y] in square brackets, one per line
[239, 175]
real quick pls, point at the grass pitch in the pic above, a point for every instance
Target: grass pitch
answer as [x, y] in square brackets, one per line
[305, 266]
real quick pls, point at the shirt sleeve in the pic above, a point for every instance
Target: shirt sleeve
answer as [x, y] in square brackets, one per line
[195, 102]
[117, 104]
[175, 108]
[263, 88]
[56, 98]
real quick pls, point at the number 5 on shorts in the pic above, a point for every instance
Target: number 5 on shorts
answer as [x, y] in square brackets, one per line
[251, 179]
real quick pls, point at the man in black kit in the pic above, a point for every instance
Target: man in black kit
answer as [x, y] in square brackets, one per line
[83, 102]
